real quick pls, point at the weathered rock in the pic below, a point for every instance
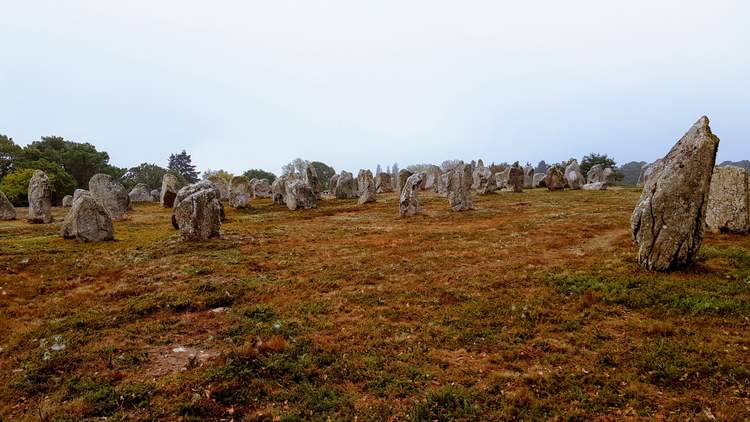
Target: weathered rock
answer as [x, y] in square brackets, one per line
[299, 195]
[668, 222]
[260, 188]
[278, 189]
[88, 221]
[409, 201]
[346, 186]
[595, 186]
[608, 176]
[595, 174]
[555, 180]
[222, 185]
[403, 174]
[648, 171]
[168, 190]
[538, 181]
[311, 178]
[40, 198]
[332, 184]
[77, 194]
[501, 178]
[728, 207]
[198, 215]
[516, 178]
[459, 188]
[383, 183]
[483, 181]
[432, 175]
[240, 192]
[110, 193]
[140, 193]
[573, 177]
[67, 201]
[155, 194]
[442, 183]
[366, 184]
[7, 211]
[189, 190]
[528, 177]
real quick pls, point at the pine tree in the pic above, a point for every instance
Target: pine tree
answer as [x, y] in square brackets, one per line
[182, 165]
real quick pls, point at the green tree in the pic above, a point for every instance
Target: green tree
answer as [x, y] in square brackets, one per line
[260, 174]
[80, 160]
[325, 172]
[592, 159]
[15, 185]
[149, 174]
[182, 164]
[210, 174]
[9, 152]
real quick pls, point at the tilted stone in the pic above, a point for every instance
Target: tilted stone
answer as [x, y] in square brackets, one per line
[409, 200]
[7, 211]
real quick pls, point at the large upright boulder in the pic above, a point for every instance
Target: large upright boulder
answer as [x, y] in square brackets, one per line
[528, 176]
[483, 181]
[346, 186]
[538, 181]
[573, 177]
[299, 195]
[608, 175]
[668, 222]
[40, 198]
[332, 184]
[260, 188]
[88, 221]
[442, 183]
[516, 178]
[595, 174]
[168, 190]
[432, 175]
[198, 215]
[110, 193]
[459, 188]
[383, 183]
[278, 188]
[366, 184]
[155, 195]
[555, 178]
[311, 178]
[403, 174]
[7, 211]
[409, 200]
[189, 190]
[501, 178]
[140, 193]
[728, 207]
[240, 192]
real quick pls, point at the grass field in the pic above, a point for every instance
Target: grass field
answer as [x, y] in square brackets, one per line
[530, 307]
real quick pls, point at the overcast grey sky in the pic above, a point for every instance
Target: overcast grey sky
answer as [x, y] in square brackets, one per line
[251, 84]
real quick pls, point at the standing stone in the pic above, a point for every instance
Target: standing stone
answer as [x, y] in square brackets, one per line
[40, 202]
[555, 180]
[221, 184]
[346, 186]
[528, 177]
[110, 193]
[383, 183]
[483, 181]
[596, 174]
[67, 201]
[409, 201]
[501, 178]
[240, 192]
[168, 190]
[516, 178]
[88, 221]
[198, 216]
[332, 184]
[189, 190]
[278, 188]
[155, 194]
[647, 171]
[403, 174]
[7, 211]
[432, 175]
[299, 195]
[668, 222]
[608, 176]
[366, 184]
[573, 176]
[459, 188]
[77, 194]
[729, 201]
[538, 181]
[442, 183]
[311, 178]
[260, 188]
[140, 193]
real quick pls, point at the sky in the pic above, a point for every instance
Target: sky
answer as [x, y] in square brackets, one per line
[255, 84]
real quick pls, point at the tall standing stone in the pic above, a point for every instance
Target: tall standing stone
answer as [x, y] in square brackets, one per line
[528, 177]
[332, 184]
[198, 215]
[538, 181]
[383, 183]
[595, 174]
[403, 174]
[573, 176]
[168, 190]
[459, 188]
[366, 184]
[299, 195]
[7, 211]
[501, 178]
[442, 183]
[516, 178]
[40, 198]
[110, 193]
[409, 200]
[555, 179]
[240, 192]
[729, 201]
[88, 221]
[311, 178]
[346, 186]
[483, 181]
[668, 222]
